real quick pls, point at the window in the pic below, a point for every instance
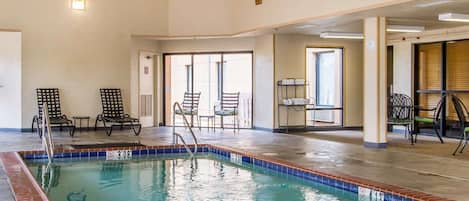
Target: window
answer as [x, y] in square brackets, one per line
[325, 86]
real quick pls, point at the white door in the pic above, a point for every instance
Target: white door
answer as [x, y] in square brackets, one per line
[10, 80]
[146, 82]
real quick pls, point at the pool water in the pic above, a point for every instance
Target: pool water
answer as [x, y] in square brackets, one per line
[156, 178]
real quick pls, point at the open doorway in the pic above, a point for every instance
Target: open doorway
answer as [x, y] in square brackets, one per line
[324, 68]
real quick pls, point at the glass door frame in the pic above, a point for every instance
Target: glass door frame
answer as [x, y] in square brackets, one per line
[341, 108]
[192, 54]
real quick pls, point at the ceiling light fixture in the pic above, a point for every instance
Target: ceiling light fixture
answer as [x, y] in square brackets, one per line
[453, 17]
[341, 35]
[305, 26]
[434, 3]
[78, 4]
[405, 28]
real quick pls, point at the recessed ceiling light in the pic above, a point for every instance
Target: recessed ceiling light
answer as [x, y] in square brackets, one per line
[341, 35]
[78, 4]
[453, 17]
[433, 3]
[405, 29]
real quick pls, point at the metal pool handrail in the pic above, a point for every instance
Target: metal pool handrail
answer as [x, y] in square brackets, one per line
[176, 105]
[47, 135]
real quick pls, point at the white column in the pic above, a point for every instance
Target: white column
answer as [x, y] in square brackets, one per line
[374, 89]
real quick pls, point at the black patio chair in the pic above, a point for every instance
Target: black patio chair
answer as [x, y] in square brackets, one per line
[400, 110]
[113, 113]
[51, 97]
[228, 107]
[190, 106]
[434, 120]
[462, 113]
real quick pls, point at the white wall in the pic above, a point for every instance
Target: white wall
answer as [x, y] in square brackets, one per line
[264, 82]
[402, 69]
[207, 45]
[79, 51]
[200, 17]
[10, 80]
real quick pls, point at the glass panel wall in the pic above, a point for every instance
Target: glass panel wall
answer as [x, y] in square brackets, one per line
[206, 81]
[237, 77]
[178, 81]
[441, 69]
[207, 74]
[429, 77]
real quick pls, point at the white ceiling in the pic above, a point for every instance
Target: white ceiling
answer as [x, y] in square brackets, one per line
[418, 13]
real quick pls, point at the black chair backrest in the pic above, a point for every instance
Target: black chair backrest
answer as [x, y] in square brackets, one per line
[191, 101]
[461, 110]
[399, 107]
[111, 100]
[229, 101]
[52, 98]
[439, 107]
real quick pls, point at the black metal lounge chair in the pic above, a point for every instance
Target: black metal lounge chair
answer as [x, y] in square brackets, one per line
[400, 113]
[113, 112]
[462, 113]
[51, 97]
[434, 120]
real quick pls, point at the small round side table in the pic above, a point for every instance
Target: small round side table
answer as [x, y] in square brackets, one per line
[210, 118]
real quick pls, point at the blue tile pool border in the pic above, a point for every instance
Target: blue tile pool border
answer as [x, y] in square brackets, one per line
[342, 182]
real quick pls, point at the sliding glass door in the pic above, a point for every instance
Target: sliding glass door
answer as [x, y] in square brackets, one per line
[211, 74]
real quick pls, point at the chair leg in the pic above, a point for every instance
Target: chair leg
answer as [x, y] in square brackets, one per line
[96, 123]
[71, 129]
[222, 123]
[460, 142]
[409, 134]
[106, 129]
[200, 124]
[32, 124]
[138, 130]
[39, 130]
[435, 127]
[465, 143]
[234, 124]
[237, 119]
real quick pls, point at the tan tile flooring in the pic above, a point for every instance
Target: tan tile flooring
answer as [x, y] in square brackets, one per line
[427, 167]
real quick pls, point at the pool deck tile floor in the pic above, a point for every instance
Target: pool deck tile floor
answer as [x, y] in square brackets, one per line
[440, 174]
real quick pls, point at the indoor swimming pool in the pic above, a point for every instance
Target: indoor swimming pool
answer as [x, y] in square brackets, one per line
[173, 177]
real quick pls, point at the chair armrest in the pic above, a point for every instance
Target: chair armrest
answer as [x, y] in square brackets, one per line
[421, 108]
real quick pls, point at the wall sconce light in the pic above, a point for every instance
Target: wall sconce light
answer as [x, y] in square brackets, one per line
[78, 4]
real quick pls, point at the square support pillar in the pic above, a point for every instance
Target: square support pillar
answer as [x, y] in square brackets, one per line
[374, 89]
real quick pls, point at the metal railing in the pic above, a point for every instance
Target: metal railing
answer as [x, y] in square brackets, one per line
[46, 133]
[177, 136]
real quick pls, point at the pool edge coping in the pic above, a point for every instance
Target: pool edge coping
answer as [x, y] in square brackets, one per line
[16, 167]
